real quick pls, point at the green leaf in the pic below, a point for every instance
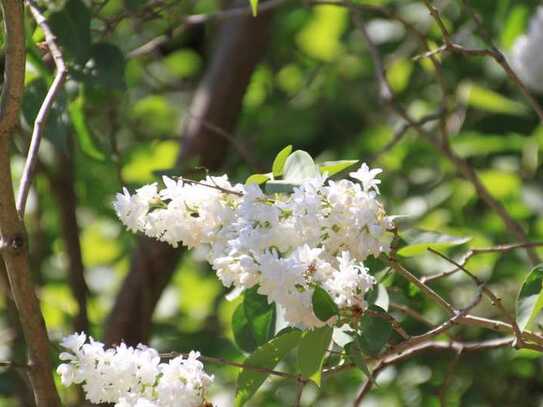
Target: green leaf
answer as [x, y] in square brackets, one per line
[488, 100]
[299, 167]
[420, 241]
[331, 168]
[355, 355]
[280, 187]
[108, 66]
[257, 179]
[279, 162]
[324, 306]
[375, 332]
[530, 298]
[266, 356]
[254, 7]
[260, 314]
[57, 127]
[312, 351]
[243, 334]
[514, 26]
[379, 296]
[84, 136]
[253, 321]
[71, 26]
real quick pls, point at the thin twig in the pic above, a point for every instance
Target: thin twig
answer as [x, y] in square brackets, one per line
[495, 300]
[387, 95]
[423, 287]
[222, 361]
[483, 250]
[41, 118]
[368, 384]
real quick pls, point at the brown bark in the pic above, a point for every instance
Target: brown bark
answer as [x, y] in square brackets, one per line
[241, 42]
[62, 183]
[13, 239]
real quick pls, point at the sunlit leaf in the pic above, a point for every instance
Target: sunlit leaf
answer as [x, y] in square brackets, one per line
[266, 356]
[299, 167]
[530, 298]
[82, 130]
[254, 7]
[514, 26]
[419, 242]
[312, 351]
[488, 100]
[279, 161]
[335, 167]
[257, 179]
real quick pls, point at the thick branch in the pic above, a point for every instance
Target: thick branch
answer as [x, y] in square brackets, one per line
[12, 232]
[62, 183]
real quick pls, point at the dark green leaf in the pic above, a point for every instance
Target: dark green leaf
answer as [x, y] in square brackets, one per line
[243, 333]
[331, 168]
[280, 187]
[530, 298]
[312, 351]
[57, 127]
[420, 241]
[279, 162]
[107, 67]
[299, 167]
[266, 356]
[324, 306]
[374, 332]
[260, 315]
[71, 25]
[355, 355]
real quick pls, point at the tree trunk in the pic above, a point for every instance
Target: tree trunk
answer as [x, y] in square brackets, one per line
[241, 42]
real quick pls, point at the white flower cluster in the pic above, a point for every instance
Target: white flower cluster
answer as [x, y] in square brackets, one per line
[286, 244]
[527, 58]
[132, 377]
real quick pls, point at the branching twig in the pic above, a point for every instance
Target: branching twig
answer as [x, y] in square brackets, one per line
[41, 118]
[497, 301]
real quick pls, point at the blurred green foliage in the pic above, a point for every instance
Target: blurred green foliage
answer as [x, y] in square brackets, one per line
[316, 90]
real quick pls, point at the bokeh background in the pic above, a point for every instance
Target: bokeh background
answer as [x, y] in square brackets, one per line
[168, 87]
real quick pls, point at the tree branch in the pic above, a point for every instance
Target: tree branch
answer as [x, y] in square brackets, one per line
[41, 118]
[12, 232]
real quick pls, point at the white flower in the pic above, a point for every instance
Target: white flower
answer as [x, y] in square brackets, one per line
[367, 177]
[132, 377]
[349, 283]
[284, 244]
[526, 56]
